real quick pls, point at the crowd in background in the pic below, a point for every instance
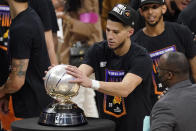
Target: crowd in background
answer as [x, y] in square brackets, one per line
[70, 27]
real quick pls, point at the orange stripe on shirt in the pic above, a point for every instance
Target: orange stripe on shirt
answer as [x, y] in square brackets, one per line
[3, 47]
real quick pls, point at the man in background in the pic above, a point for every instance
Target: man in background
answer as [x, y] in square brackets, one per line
[159, 37]
[28, 59]
[175, 111]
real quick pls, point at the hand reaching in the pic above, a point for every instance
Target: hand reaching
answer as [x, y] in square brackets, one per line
[50, 67]
[81, 78]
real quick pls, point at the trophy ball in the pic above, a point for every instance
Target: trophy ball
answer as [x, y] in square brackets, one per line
[57, 83]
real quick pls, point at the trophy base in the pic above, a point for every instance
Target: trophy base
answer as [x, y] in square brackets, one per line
[67, 114]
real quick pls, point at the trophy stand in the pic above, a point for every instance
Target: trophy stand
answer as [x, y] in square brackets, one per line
[64, 113]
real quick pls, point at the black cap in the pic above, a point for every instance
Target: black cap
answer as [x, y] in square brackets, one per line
[125, 14]
[144, 2]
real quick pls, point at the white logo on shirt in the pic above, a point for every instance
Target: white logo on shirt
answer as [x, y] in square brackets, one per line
[103, 64]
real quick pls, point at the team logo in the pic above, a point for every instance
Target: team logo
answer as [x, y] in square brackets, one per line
[127, 13]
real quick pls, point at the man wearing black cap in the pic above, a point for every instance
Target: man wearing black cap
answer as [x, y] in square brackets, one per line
[159, 37]
[122, 71]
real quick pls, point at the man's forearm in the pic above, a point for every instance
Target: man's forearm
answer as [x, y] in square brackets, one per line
[16, 78]
[10, 87]
[50, 47]
[7, 89]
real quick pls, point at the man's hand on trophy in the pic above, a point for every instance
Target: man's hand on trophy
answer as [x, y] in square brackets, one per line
[81, 78]
[50, 67]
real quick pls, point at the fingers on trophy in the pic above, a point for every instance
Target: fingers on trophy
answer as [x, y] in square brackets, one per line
[63, 112]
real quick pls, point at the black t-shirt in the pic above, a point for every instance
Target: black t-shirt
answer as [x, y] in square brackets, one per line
[188, 16]
[128, 113]
[27, 41]
[176, 37]
[5, 21]
[55, 26]
[45, 10]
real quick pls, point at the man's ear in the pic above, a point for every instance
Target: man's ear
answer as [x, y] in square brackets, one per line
[141, 12]
[130, 31]
[170, 75]
[164, 8]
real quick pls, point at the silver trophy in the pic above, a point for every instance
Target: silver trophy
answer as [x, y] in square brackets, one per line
[63, 112]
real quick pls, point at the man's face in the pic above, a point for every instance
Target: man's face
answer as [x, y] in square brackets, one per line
[153, 13]
[163, 71]
[181, 4]
[116, 34]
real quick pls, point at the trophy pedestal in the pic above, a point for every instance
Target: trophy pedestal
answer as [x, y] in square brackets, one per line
[67, 114]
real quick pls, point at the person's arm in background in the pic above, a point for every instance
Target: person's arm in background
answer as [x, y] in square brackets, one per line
[55, 26]
[50, 47]
[190, 46]
[86, 30]
[16, 77]
[14, 83]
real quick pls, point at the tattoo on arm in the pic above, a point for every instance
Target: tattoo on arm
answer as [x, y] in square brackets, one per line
[18, 68]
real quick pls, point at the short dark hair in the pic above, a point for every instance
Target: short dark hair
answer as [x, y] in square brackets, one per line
[21, 0]
[178, 62]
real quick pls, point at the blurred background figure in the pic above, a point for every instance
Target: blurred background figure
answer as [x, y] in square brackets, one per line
[188, 17]
[59, 9]
[81, 22]
[174, 7]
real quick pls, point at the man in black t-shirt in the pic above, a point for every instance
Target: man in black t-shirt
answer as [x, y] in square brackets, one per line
[159, 37]
[5, 21]
[29, 59]
[188, 17]
[122, 70]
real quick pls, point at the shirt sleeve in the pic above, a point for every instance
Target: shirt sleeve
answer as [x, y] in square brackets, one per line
[43, 10]
[20, 43]
[89, 58]
[188, 43]
[162, 118]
